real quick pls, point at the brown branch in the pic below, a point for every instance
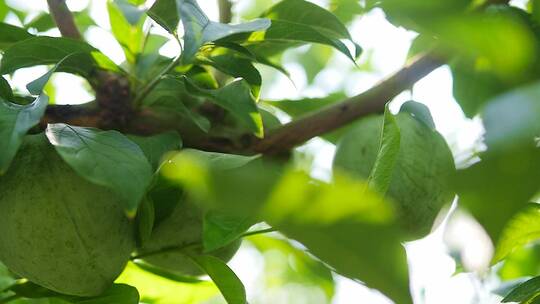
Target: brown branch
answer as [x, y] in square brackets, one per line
[147, 122]
[63, 19]
[338, 115]
[86, 115]
[281, 140]
[370, 102]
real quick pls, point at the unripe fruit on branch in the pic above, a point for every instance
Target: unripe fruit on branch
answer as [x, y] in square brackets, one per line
[58, 230]
[420, 180]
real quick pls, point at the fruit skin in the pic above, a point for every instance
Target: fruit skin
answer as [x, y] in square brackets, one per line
[183, 227]
[421, 177]
[59, 230]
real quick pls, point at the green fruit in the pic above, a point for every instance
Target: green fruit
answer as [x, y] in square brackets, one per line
[182, 229]
[59, 230]
[421, 176]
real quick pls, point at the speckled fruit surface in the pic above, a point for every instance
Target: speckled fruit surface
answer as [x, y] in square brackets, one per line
[59, 230]
[419, 185]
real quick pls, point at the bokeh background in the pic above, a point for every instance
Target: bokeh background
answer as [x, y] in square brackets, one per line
[448, 266]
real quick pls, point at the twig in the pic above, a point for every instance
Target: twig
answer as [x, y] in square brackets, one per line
[256, 232]
[338, 115]
[64, 19]
[165, 250]
[150, 85]
[225, 11]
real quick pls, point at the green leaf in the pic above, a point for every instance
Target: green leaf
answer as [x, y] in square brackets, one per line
[237, 67]
[106, 158]
[10, 34]
[165, 13]
[235, 183]
[236, 98]
[118, 294]
[419, 111]
[145, 221]
[15, 122]
[312, 15]
[497, 187]
[222, 161]
[171, 275]
[346, 10]
[285, 34]
[474, 86]
[128, 34]
[51, 50]
[225, 279]
[132, 14]
[32, 291]
[383, 169]
[481, 37]
[505, 179]
[511, 120]
[416, 14]
[253, 55]
[289, 29]
[164, 196]
[4, 10]
[154, 147]
[199, 30]
[44, 22]
[505, 287]
[524, 292]
[300, 107]
[314, 24]
[6, 278]
[136, 2]
[79, 60]
[5, 89]
[168, 291]
[170, 97]
[523, 262]
[294, 266]
[220, 229]
[345, 225]
[521, 230]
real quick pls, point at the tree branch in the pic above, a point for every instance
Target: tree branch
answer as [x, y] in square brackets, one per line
[370, 102]
[225, 11]
[280, 140]
[64, 19]
[338, 115]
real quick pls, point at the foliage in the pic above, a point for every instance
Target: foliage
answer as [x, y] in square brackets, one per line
[138, 194]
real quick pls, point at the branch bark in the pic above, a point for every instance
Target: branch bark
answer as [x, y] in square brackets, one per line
[225, 11]
[278, 141]
[64, 19]
[338, 115]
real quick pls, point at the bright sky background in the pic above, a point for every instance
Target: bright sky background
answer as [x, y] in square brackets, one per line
[431, 267]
